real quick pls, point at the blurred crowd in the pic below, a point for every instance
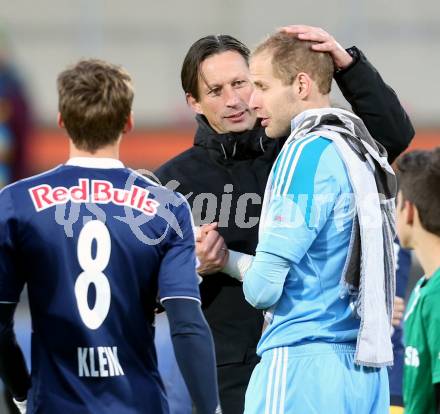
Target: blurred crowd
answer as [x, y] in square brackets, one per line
[15, 117]
[15, 124]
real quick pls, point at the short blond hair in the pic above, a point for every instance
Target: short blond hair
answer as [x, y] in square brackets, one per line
[291, 56]
[94, 100]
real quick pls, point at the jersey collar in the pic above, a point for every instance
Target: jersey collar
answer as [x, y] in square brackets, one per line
[94, 162]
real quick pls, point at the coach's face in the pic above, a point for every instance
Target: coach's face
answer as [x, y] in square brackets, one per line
[274, 102]
[224, 92]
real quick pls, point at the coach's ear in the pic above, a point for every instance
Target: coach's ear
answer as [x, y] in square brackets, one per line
[194, 104]
[129, 125]
[60, 121]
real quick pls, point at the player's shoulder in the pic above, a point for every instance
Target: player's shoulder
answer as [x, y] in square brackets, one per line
[144, 177]
[311, 152]
[14, 196]
[30, 181]
[430, 294]
[310, 145]
[150, 180]
[167, 197]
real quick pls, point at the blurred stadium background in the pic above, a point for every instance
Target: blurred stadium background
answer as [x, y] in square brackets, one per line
[150, 39]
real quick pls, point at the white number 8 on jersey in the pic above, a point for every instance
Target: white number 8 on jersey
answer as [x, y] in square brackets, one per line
[93, 273]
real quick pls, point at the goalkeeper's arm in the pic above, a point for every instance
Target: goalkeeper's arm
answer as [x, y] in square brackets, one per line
[263, 275]
[13, 370]
[238, 264]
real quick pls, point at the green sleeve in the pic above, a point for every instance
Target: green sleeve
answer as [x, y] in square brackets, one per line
[431, 322]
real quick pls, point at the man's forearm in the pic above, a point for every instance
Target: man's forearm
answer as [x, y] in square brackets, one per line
[13, 370]
[194, 350]
[264, 281]
[263, 276]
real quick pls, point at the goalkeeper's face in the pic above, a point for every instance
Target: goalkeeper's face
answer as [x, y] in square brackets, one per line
[274, 102]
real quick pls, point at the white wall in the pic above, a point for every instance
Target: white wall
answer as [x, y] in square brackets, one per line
[401, 37]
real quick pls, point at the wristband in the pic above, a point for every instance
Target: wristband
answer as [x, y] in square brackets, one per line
[21, 405]
[238, 264]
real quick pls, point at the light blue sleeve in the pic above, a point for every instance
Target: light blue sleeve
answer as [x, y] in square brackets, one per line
[263, 282]
[306, 186]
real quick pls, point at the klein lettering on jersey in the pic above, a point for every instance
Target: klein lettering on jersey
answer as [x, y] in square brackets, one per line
[102, 361]
[93, 191]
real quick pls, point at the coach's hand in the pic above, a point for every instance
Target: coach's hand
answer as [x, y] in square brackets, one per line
[211, 250]
[398, 311]
[327, 43]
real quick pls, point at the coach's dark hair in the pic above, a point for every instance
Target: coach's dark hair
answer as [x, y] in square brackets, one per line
[202, 49]
[418, 173]
[94, 100]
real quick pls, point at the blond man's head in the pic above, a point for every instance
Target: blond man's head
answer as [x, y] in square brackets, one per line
[289, 78]
[291, 56]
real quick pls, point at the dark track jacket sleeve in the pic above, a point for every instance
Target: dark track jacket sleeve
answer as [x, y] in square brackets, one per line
[194, 349]
[437, 398]
[13, 370]
[376, 104]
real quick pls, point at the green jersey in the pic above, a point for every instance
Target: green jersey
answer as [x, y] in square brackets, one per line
[422, 346]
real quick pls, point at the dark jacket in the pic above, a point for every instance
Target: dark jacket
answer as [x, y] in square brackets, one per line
[216, 162]
[244, 160]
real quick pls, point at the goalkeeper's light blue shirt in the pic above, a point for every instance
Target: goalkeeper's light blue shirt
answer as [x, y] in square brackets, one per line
[309, 223]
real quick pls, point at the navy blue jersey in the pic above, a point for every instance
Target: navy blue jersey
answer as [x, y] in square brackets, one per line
[97, 244]
[403, 269]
